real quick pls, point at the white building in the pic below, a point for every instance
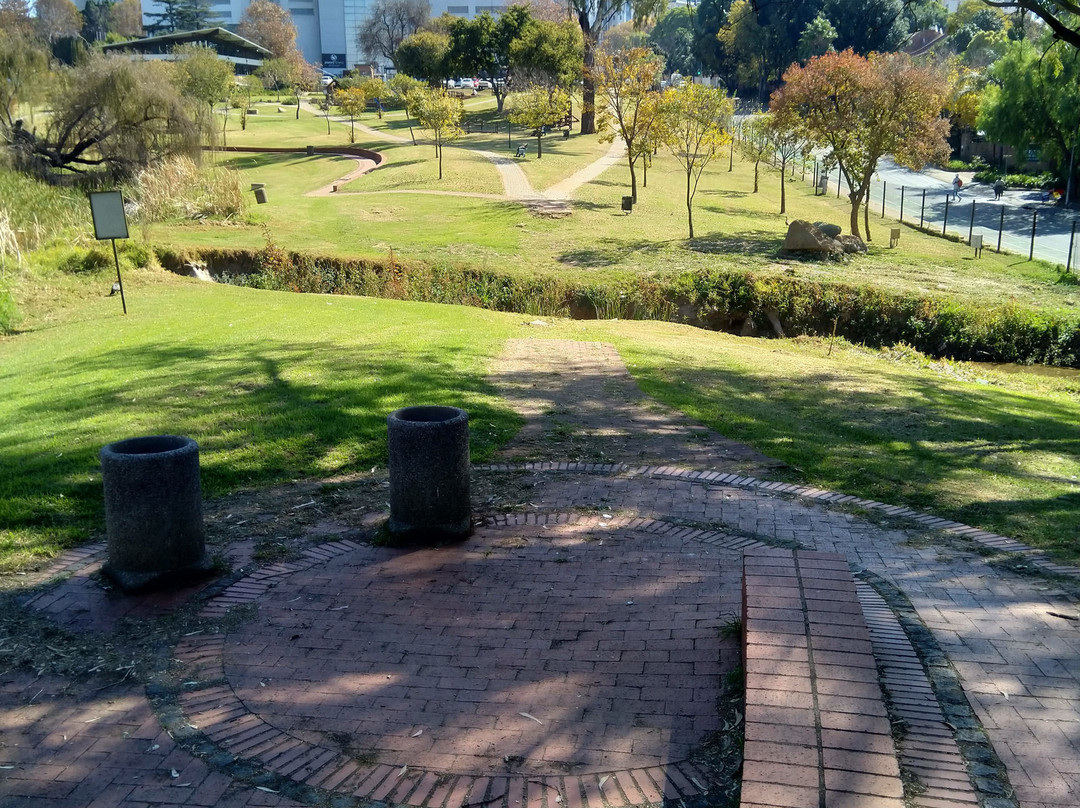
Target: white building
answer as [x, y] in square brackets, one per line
[326, 29]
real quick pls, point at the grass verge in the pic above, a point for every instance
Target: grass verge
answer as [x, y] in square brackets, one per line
[279, 386]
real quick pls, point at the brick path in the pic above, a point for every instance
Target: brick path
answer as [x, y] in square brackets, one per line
[531, 664]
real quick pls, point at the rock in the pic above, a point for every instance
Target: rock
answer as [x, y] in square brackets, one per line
[830, 230]
[803, 237]
[852, 244]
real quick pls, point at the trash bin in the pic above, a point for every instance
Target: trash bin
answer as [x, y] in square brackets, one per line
[310, 151]
[429, 475]
[260, 192]
[628, 203]
[153, 512]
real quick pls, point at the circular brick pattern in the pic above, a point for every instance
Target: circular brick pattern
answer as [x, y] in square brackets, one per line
[557, 649]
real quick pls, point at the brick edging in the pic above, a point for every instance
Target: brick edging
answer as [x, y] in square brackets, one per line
[984, 538]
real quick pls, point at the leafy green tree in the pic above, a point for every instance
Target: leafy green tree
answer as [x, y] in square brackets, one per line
[181, 15]
[693, 123]
[481, 46]
[353, 102]
[751, 47]
[787, 143]
[388, 24]
[860, 109]
[536, 107]
[626, 81]
[205, 79]
[1033, 96]
[1062, 17]
[547, 53]
[817, 38]
[754, 145]
[673, 36]
[439, 114]
[868, 27]
[278, 74]
[95, 25]
[925, 14]
[423, 56]
[593, 17]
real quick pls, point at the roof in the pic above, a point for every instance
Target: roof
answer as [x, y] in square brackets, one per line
[221, 35]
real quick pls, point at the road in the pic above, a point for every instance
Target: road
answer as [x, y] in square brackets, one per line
[925, 197]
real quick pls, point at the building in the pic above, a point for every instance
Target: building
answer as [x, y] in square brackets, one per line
[245, 55]
[326, 29]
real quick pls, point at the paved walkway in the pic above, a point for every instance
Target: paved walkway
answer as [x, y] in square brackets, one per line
[572, 653]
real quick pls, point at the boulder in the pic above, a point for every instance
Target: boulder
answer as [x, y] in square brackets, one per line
[803, 237]
[830, 230]
[852, 244]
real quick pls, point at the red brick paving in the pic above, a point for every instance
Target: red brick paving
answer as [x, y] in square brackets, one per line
[94, 753]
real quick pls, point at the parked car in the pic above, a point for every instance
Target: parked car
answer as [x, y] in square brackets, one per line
[483, 84]
[466, 84]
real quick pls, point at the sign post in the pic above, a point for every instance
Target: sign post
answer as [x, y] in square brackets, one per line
[110, 222]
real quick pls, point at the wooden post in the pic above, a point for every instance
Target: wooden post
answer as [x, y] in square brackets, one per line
[1001, 227]
[1034, 220]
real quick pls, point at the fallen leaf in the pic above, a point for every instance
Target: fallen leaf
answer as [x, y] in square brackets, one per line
[267, 790]
[418, 733]
[174, 774]
[533, 717]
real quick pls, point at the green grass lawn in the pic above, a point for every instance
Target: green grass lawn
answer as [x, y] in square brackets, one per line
[733, 226]
[278, 386]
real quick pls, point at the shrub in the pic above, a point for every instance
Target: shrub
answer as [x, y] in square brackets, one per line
[179, 189]
[9, 312]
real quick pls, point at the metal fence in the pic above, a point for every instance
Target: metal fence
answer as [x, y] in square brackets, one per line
[1029, 224]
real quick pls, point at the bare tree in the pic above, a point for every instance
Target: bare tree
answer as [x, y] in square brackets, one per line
[388, 24]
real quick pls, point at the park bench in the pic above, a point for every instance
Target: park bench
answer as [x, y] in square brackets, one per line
[817, 731]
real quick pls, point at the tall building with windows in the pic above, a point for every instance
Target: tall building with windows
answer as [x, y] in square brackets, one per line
[326, 29]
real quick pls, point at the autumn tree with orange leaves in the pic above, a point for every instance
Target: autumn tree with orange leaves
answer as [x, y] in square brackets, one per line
[861, 108]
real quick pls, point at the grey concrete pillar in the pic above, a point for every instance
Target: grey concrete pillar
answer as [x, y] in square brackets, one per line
[153, 512]
[429, 474]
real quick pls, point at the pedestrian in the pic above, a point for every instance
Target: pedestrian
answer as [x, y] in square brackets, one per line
[999, 188]
[957, 184]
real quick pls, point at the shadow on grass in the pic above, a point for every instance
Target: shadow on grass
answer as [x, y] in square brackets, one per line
[950, 450]
[260, 415]
[609, 252]
[756, 242]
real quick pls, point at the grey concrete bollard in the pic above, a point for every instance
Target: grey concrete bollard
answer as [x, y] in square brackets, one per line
[429, 474]
[153, 512]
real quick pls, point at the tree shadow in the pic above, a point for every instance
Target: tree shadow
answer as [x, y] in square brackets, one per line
[610, 251]
[260, 415]
[757, 242]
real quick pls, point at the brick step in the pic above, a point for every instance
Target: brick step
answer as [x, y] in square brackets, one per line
[817, 731]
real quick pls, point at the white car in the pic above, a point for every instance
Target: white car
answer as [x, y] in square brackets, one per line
[483, 84]
[467, 84]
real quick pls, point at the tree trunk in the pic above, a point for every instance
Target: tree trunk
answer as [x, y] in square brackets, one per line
[633, 176]
[783, 187]
[588, 93]
[689, 205]
[757, 164]
[854, 222]
[539, 146]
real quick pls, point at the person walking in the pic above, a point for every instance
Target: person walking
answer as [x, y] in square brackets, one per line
[957, 184]
[999, 188]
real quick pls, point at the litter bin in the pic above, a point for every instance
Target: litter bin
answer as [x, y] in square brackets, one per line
[429, 474]
[260, 192]
[153, 512]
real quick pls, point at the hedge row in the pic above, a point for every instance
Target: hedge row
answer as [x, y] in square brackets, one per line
[722, 300]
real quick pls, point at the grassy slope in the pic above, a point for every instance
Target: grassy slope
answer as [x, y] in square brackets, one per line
[280, 386]
[273, 386]
[732, 225]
